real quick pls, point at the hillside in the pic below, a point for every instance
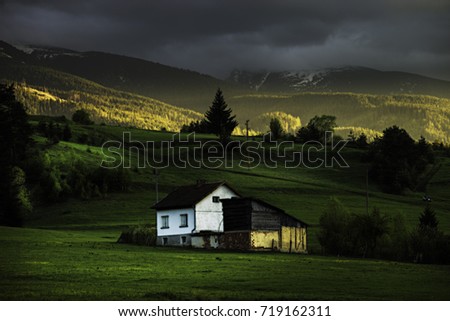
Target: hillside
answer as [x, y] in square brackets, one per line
[45, 91]
[68, 248]
[302, 192]
[172, 85]
[109, 84]
[345, 79]
[420, 115]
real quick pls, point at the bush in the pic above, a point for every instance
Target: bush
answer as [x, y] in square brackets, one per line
[395, 244]
[374, 235]
[342, 233]
[316, 128]
[430, 246]
[366, 230]
[15, 201]
[334, 234]
[81, 116]
[428, 243]
[139, 235]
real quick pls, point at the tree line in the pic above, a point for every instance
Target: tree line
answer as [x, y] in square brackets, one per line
[397, 162]
[376, 235]
[430, 115]
[28, 174]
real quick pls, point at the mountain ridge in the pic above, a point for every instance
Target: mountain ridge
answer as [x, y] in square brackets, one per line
[356, 79]
[186, 88]
[176, 86]
[178, 99]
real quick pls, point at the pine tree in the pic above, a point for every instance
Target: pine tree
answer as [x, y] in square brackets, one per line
[15, 131]
[15, 141]
[428, 218]
[218, 118]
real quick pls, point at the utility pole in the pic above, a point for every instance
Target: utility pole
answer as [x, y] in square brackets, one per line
[367, 191]
[156, 175]
[246, 139]
[246, 127]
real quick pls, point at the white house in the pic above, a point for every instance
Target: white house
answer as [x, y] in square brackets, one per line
[191, 210]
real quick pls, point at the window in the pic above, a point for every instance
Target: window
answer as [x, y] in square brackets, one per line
[183, 240]
[216, 199]
[165, 240]
[165, 221]
[183, 220]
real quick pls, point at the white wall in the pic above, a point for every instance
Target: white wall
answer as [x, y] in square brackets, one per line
[174, 222]
[209, 215]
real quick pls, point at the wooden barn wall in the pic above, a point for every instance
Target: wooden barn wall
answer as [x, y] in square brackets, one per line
[286, 220]
[250, 225]
[293, 239]
[264, 218]
[236, 216]
[265, 240]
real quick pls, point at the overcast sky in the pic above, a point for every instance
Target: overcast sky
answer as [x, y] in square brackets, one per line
[214, 37]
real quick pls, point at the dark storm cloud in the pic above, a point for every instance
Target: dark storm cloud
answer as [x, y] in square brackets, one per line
[217, 36]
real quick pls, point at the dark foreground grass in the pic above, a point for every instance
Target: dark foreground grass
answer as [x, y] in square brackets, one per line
[88, 265]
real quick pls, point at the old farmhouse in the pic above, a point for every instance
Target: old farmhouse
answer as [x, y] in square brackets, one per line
[190, 210]
[214, 215]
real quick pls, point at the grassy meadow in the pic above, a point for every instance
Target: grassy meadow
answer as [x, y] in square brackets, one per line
[89, 265]
[68, 250]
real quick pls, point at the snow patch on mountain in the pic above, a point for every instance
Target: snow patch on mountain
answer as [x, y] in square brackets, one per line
[47, 53]
[303, 79]
[4, 54]
[26, 49]
[263, 80]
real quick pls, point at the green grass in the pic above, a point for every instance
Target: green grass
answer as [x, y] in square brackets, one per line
[68, 250]
[302, 192]
[88, 265]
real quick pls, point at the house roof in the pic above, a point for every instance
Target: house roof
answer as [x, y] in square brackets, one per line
[189, 195]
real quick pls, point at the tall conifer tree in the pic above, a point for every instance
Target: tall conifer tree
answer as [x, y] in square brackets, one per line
[218, 118]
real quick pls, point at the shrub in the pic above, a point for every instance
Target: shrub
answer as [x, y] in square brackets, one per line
[428, 243]
[81, 116]
[334, 232]
[139, 235]
[395, 244]
[15, 201]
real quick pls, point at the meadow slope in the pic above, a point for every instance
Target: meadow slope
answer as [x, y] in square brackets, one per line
[68, 249]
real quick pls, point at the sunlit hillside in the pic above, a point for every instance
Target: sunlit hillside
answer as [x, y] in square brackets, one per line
[420, 115]
[49, 92]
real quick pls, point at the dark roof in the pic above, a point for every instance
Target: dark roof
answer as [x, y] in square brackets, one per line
[257, 200]
[188, 196]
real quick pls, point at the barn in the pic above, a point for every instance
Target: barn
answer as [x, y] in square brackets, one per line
[252, 224]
